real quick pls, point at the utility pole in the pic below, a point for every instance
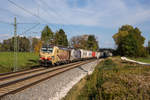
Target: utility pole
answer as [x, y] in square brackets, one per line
[15, 45]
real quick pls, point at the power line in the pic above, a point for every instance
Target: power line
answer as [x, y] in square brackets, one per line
[22, 8]
[31, 13]
[6, 10]
[3, 22]
[31, 28]
[45, 4]
[25, 10]
[52, 9]
[26, 23]
[49, 7]
[39, 3]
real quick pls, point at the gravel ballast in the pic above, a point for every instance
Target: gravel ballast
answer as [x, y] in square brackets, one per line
[56, 87]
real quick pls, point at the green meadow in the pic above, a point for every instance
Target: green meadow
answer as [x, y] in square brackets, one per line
[142, 59]
[25, 60]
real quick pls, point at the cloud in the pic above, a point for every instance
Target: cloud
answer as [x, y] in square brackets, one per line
[4, 36]
[90, 12]
[107, 14]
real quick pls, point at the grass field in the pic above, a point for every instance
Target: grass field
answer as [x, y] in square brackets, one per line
[25, 60]
[142, 59]
[114, 80]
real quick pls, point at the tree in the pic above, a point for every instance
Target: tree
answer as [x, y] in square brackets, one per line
[75, 42]
[8, 45]
[128, 46]
[61, 38]
[149, 43]
[0, 46]
[47, 35]
[129, 41]
[92, 44]
[122, 32]
[23, 44]
[87, 42]
[148, 47]
[38, 47]
[79, 42]
[35, 41]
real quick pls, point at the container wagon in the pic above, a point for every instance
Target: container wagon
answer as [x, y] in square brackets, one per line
[89, 54]
[75, 55]
[84, 54]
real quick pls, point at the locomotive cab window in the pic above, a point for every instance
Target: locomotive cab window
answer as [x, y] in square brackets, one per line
[49, 50]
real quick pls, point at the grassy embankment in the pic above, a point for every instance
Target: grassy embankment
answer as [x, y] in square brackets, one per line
[25, 60]
[142, 59]
[114, 80]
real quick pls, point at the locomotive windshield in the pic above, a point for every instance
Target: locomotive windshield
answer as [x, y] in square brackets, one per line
[47, 49]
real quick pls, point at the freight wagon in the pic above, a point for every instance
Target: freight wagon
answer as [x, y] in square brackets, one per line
[85, 54]
[98, 54]
[54, 55]
[93, 54]
[89, 54]
[75, 55]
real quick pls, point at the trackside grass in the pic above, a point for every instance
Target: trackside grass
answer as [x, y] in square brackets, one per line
[114, 80]
[142, 59]
[24, 60]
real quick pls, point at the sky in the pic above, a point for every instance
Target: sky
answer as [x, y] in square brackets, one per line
[102, 18]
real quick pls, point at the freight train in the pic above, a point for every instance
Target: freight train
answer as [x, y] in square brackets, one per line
[55, 55]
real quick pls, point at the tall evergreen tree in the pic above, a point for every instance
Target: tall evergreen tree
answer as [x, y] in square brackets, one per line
[61, 38]
[149, 46]
[47, 35]
[0, 46]
[149, 43]
[92, 44]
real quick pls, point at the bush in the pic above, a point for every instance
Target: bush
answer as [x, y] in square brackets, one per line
[130, 42]
[109, 82]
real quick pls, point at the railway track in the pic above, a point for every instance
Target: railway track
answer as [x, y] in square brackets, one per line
[15, 82]
[24, 72]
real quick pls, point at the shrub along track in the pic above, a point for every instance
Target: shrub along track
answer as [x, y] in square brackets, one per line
[15, 82]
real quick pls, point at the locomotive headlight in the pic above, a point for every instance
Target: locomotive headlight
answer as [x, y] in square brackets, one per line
[42, 58]
[49, 58]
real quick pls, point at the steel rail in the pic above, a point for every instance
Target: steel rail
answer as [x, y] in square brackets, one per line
[21, 77]
[25, 71]
[20, 84]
